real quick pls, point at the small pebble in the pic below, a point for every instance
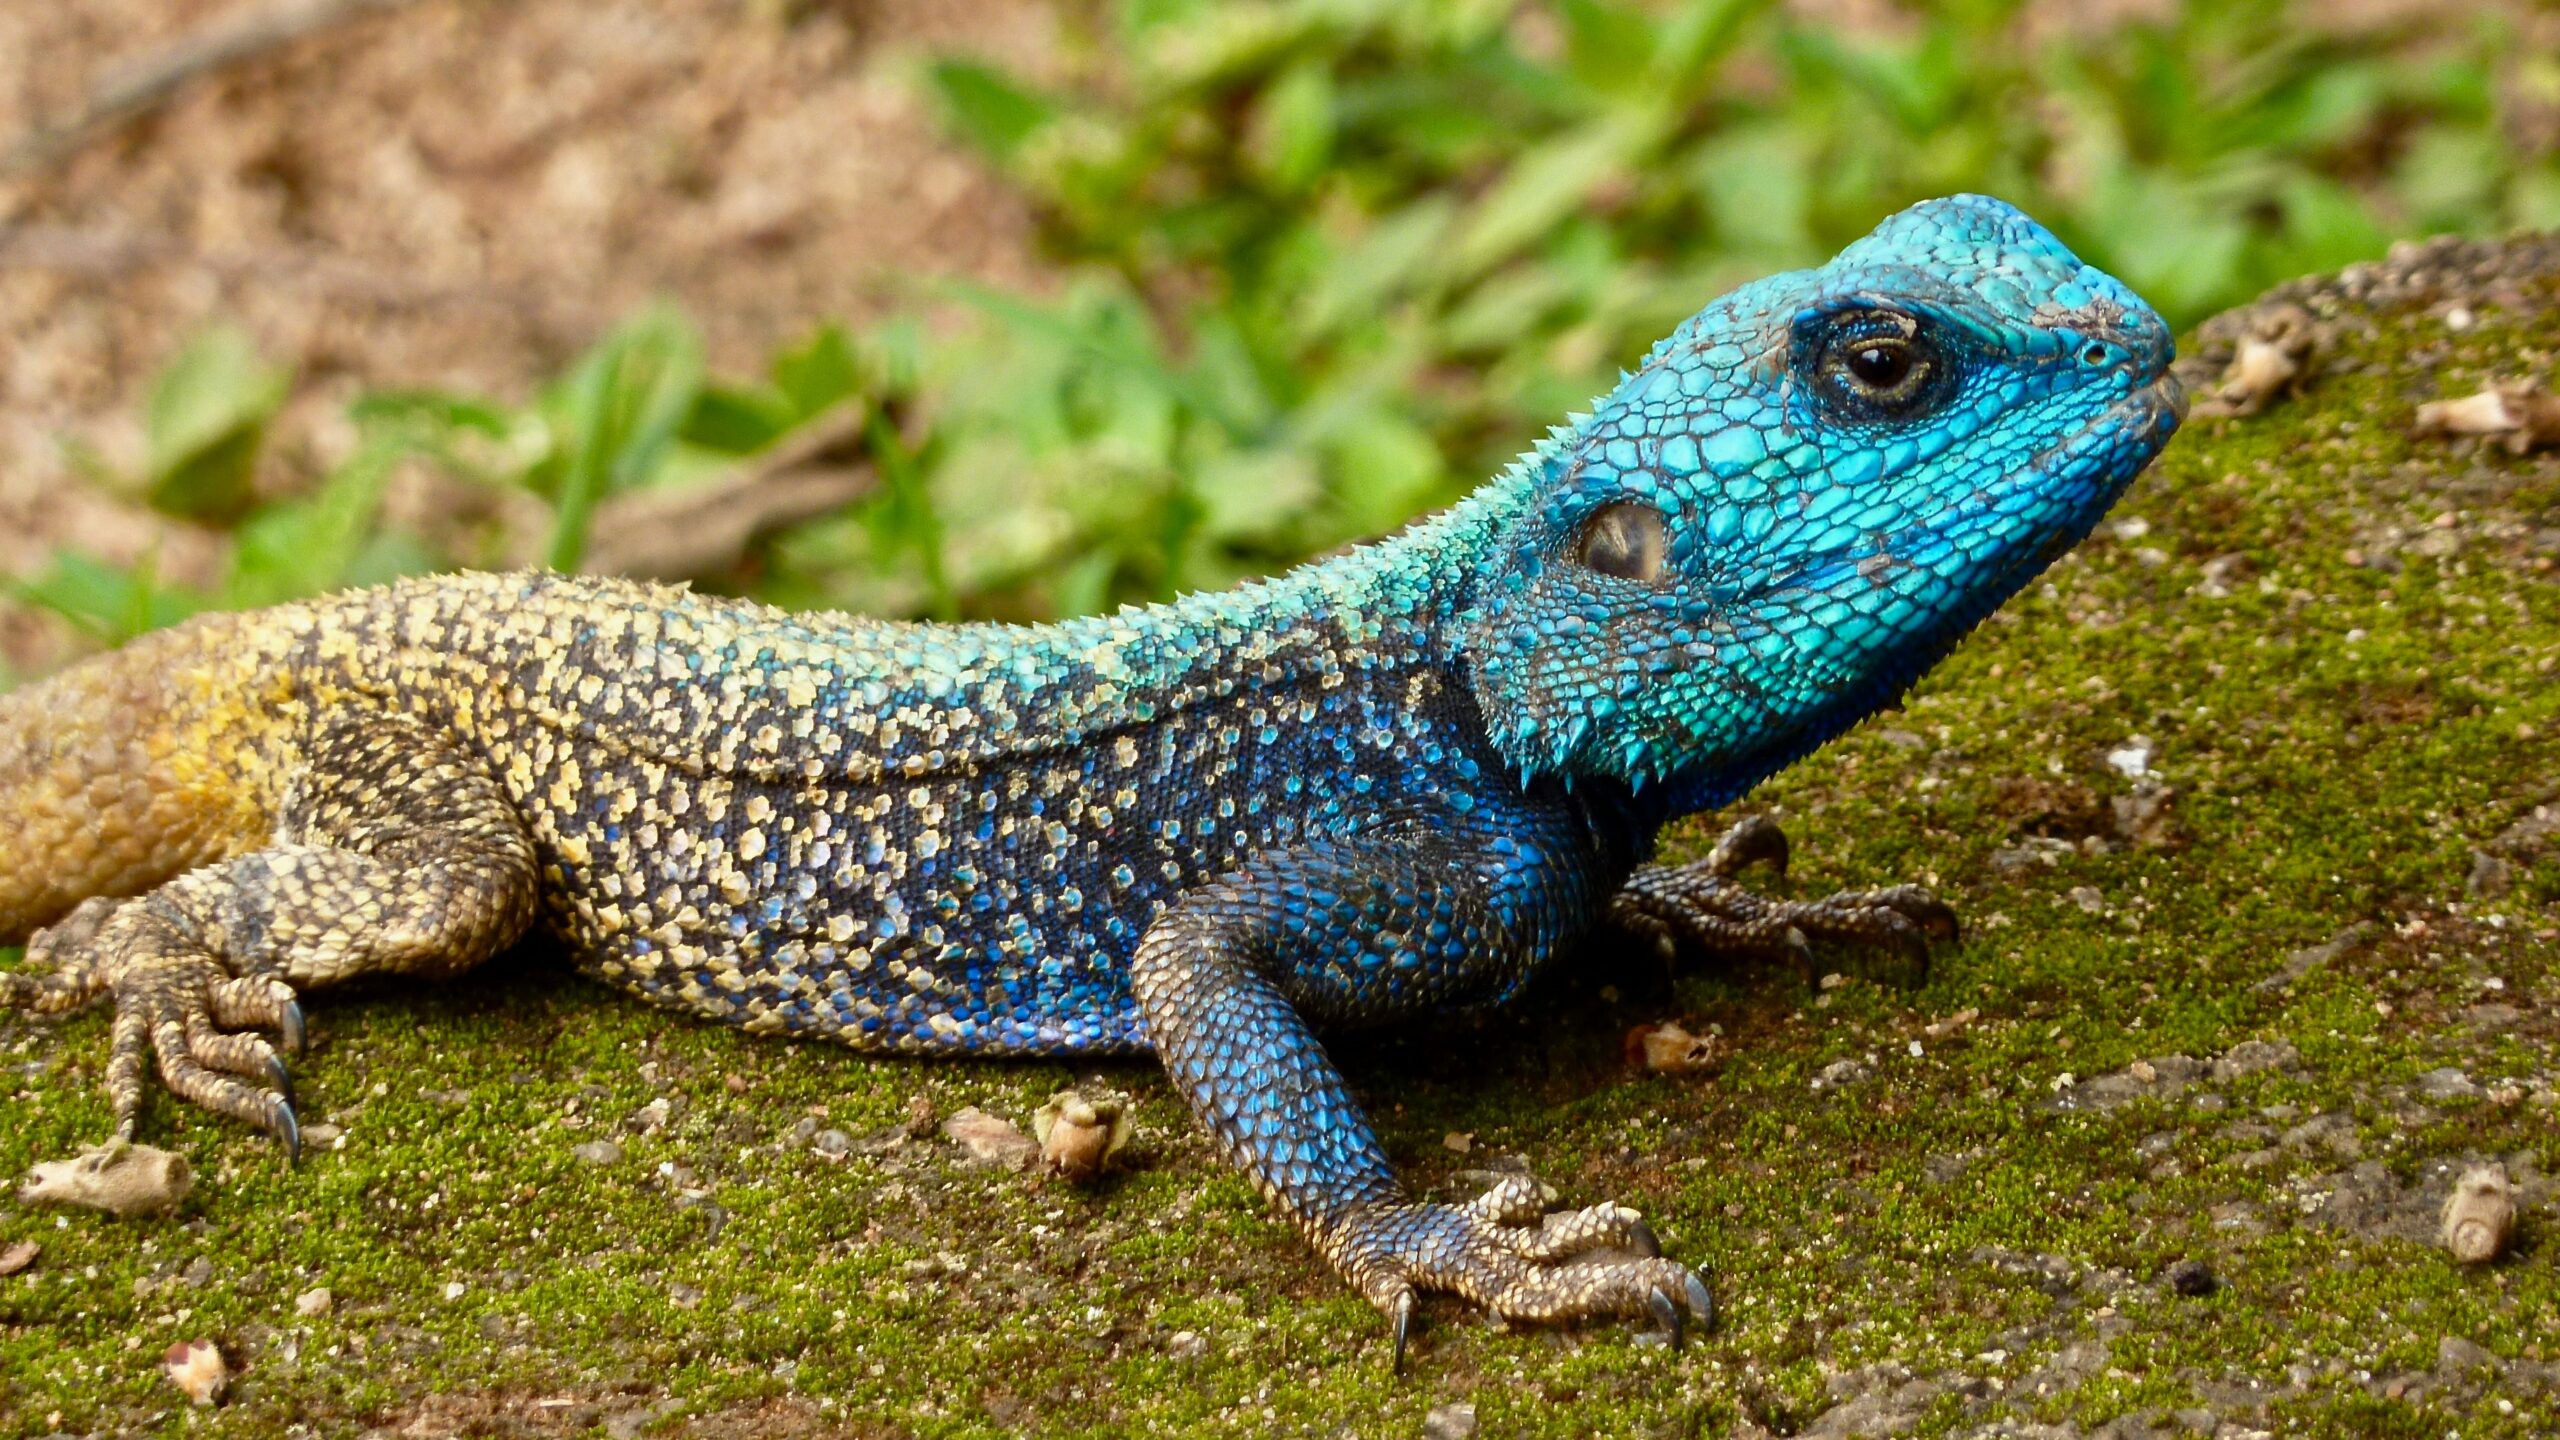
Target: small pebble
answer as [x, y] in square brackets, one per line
[1841, 1072]
[314, 1302]
[598, 1152]
[2480, 1215]
[1186, 1345]
[831, 1145]
[2455, 1355]
[17, 1257]
[455, 1289]
[1670, 1049]
[1079, 1135]
[2193, 1277]
[1449, 1422]
[990, 1139]
[2449, 1083]
[197, 1368]
[123, 1180]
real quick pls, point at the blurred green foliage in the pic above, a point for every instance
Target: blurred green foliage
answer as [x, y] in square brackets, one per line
[1328, 263]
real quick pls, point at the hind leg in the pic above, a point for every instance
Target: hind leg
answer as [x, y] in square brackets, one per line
[395, 854]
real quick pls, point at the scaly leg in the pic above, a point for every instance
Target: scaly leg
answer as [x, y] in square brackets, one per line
[394, 854]
[1227, 981]
[1704, 905]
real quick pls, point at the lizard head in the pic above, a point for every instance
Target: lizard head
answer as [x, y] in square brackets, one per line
[1805, 496]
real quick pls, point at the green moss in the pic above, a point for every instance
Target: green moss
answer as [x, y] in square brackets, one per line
[1941, 1215]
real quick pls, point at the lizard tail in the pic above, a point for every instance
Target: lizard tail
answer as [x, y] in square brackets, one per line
[131, 767]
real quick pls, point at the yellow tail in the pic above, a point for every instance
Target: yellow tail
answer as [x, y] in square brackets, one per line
[133, 766]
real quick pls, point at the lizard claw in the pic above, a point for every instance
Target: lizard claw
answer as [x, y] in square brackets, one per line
[282, 1125]
[1402, 1321]
[1641, 1240]
[289, 1026]
[1666, 1312]
[1702, 1304]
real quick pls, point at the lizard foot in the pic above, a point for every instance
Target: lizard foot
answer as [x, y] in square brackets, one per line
[174, 1004]
[1507, 1252]
[1703, 904]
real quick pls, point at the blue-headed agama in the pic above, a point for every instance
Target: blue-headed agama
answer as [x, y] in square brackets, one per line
[1393, 782]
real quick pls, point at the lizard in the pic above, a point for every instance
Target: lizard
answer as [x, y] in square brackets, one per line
[1400, 780]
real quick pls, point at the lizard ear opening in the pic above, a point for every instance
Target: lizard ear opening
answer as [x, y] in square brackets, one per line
[1624, 540]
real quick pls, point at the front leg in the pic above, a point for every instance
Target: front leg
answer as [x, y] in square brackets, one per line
[1704, 904]
[1229, 978]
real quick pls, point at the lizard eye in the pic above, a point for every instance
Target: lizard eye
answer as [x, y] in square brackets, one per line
[1624, 540]
[1882, 366]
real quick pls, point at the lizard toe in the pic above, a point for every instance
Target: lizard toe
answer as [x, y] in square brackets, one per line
[66, 970]
[1752, 840]
[173, 1006]
[1702, 906]
[1556, 1267]
[260, 1002]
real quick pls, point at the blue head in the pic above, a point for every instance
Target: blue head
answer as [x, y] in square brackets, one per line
[1805, 496]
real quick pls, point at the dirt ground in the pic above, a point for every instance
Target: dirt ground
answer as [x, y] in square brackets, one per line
[461, 193]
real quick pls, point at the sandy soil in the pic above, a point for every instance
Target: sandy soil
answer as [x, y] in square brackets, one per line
[458, 193]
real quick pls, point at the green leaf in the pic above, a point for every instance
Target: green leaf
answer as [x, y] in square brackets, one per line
[433, 409]
[1399, 249]
[1607, 46]
[1253, 495]
[2165, 240]
[1697, 36]
[483, 442]
[309, 546]
[1756, 182]
[206, 417]
[1384, 469]
[619, 408]
[2326, 226]
[738, 420]
[1291, 133]
[1130, 352]
[993, 110]
[111, 605]
[1548, 183]
[820, 372]
[2449, 175]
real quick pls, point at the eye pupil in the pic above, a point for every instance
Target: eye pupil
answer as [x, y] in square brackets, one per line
[1879, 366]
[1624, 540]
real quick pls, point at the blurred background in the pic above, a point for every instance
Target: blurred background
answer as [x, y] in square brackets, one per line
[985, 308]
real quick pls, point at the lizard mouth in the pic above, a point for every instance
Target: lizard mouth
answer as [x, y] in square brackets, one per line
[2095, 456]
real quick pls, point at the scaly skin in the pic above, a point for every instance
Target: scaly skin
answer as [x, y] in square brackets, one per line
[1395, 782]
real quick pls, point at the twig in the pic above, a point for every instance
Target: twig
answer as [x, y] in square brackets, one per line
[85, 251]
[701, 530]
[144, 84]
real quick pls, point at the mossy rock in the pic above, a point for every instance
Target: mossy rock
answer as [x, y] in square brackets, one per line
[2251, 808]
